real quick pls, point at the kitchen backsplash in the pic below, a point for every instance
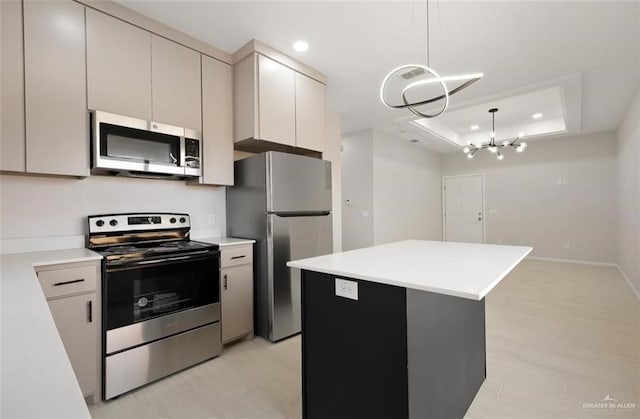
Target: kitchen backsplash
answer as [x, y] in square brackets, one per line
[43, 213]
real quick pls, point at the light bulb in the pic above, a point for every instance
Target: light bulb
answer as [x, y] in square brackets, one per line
[469, 156]
[524, 145]
[474, 127]
[493, 134]
[493, 149]
[466, 150]
[500, 156]
[505, 142]
[520, 149]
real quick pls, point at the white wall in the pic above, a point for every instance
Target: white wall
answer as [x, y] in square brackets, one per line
[533, 209]
[357, 186]
[333, 125]
[394, 190]
[41, 213]
[406, 191]
[629, 193]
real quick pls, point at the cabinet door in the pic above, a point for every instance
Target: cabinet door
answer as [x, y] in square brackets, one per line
[76, 320]
[118, 66]
[175, 84]
[309, 113]
[237, 301]
[57, 134]
[217, 122]
[12, 146]
[276, 97]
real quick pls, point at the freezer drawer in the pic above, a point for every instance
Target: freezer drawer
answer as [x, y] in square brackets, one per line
[291, 238]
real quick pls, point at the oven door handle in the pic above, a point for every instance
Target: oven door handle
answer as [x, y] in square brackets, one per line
[150, 262]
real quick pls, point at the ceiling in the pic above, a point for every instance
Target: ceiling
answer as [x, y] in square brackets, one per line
[589, 51]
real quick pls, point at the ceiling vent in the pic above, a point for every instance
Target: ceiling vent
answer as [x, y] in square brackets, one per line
[413, 73]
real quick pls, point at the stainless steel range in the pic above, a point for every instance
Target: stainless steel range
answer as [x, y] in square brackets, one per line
[160, 297]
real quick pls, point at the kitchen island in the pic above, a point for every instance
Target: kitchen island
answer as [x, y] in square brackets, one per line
[397, 330]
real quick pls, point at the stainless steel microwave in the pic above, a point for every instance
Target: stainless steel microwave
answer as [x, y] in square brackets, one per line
[133, 147]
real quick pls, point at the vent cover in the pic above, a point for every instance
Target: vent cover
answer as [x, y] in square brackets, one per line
[413, 73]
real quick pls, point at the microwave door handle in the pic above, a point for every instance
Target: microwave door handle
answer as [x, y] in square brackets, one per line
[182, 152]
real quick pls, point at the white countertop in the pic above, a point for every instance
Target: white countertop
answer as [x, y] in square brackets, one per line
[37, 377]
[465, 270]
[226, 241]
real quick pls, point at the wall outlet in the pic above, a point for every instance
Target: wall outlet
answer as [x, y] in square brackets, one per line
[565, 181]
[559, 181]
[212, 219]
[566, 245]
[347, 289]
[365, 214]
[493, 211]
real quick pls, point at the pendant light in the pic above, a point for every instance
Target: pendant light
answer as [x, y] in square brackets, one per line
[409, 71]
[492, 146]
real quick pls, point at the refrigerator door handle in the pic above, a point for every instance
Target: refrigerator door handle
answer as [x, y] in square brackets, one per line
[301, 214]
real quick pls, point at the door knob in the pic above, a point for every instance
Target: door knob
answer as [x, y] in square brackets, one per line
[479, 218]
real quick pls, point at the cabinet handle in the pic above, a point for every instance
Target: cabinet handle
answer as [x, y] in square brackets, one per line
[225, 281]
[90, 308]
[238, 257]
[57, 284]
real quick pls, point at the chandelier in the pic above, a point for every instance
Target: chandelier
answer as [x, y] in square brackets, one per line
[409, 71]
[491, 146]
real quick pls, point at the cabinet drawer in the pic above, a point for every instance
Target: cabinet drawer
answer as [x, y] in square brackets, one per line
[236, 255]
[61, 282]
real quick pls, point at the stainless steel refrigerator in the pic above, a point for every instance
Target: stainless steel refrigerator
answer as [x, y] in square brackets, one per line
[283, 201]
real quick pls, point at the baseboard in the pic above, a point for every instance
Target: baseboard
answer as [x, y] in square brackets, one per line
[577, 261]
[626, 278]
[587, 262]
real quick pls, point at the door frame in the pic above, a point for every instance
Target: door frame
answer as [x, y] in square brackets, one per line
[444, 205]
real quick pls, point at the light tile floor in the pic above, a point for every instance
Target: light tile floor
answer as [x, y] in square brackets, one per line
[560, 338]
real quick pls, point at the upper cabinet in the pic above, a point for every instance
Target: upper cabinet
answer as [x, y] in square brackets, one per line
[55, 88]
[276, 105]
[217, 123]
[135, 73]
[276, 102]
[12, 140]
[176, 88]
[310, 113]
[118, 67]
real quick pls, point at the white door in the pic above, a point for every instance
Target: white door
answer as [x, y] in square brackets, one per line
[463, 209]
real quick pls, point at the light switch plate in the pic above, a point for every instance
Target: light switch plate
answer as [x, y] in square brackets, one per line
[347, 289]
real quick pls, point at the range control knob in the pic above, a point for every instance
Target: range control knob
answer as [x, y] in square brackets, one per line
[113, 223]
[183, 220]
[99, 223]
[172, 220]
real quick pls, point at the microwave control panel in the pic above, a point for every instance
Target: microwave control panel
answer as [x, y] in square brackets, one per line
[192, 153]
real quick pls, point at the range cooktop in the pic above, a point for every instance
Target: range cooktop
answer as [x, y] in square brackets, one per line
[137, 251]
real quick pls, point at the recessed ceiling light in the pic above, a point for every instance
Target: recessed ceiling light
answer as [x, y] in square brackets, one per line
[536, 115]
[474, 127]
[301, 46]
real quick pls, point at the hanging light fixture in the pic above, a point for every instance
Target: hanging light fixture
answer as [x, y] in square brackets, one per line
[410, 71]
[492, 146]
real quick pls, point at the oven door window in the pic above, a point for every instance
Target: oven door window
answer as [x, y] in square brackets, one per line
[143, 292]
[137, 145]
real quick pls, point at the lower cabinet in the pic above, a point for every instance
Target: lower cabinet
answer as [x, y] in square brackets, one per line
[72, 291]
[236, 291]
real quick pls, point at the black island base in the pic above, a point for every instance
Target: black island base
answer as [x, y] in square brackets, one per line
[391, 353]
